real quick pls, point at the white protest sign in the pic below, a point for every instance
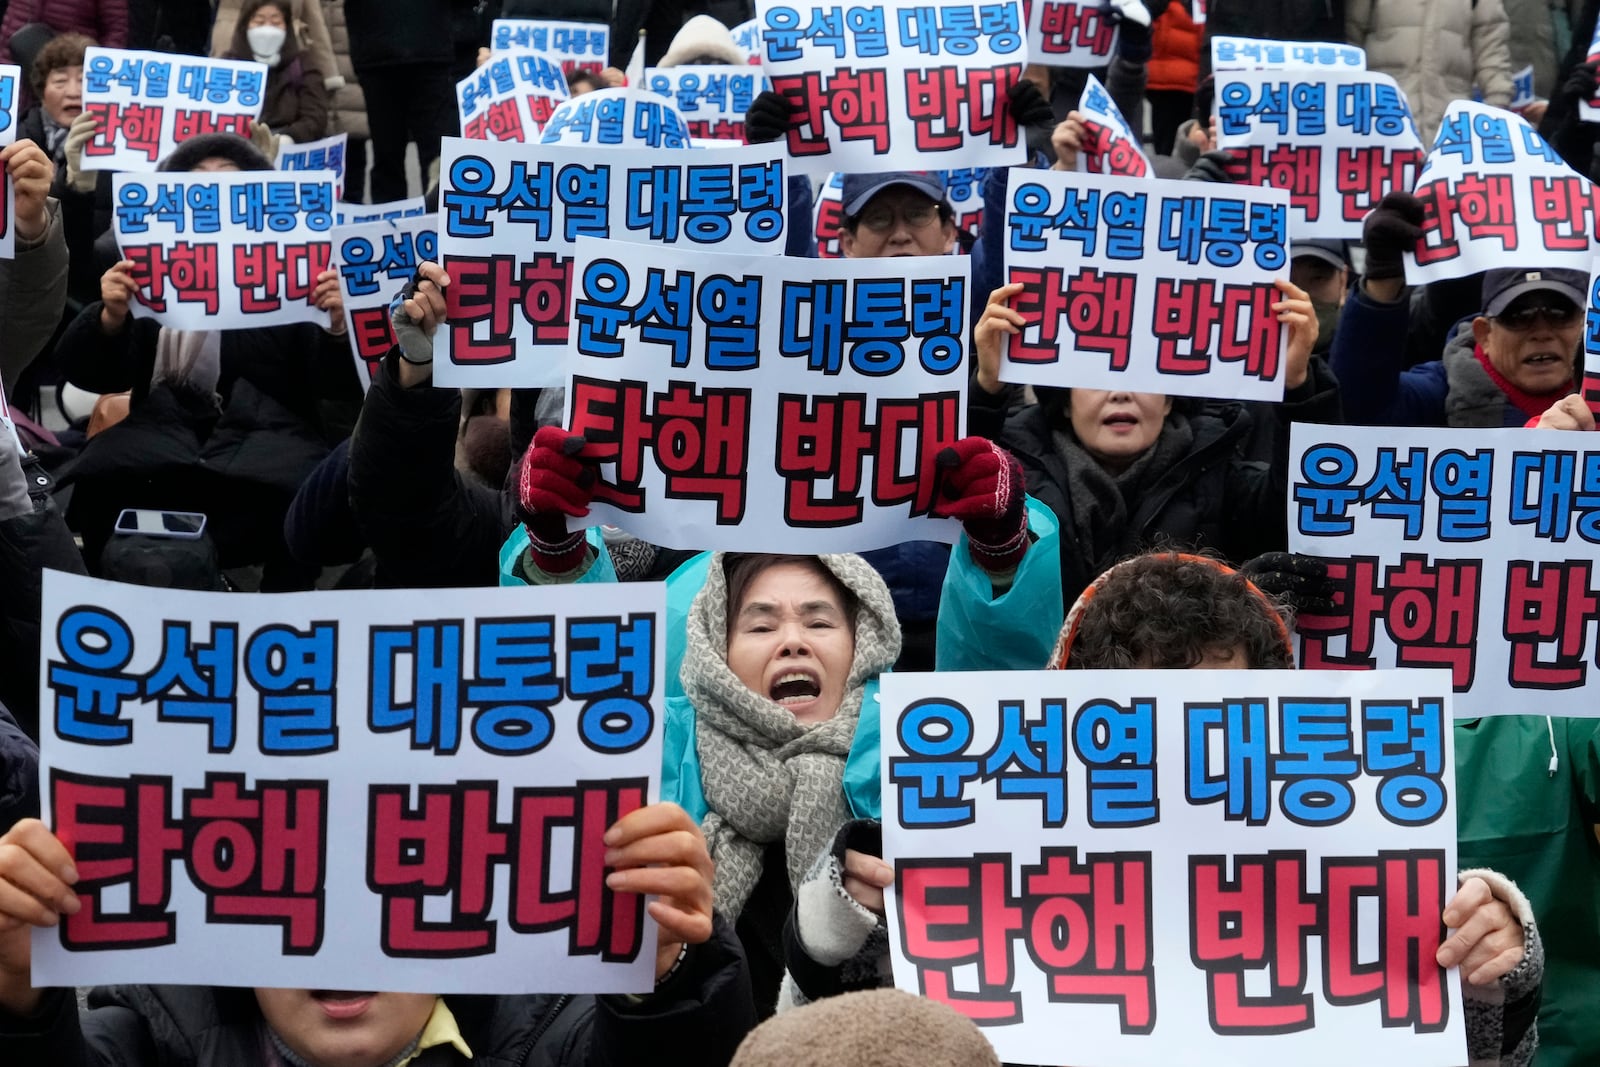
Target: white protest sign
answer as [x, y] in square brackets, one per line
[509, 215]
[374, 261]
[1589, 106]
[1337, 141]
[1496, 194]
[1249, 53]
[5, 419]
[799, 404]
[1472, 549]
[326, 154]
[1071, 33]
[617, 118]
[225, 250]
[574, 45]
[148, 103]
[900, 85]
[1110, 145]
[326, 790]
[356, 214]
[1150, 286]
[747, 35]
[829, 212]
[1522, 93]
[964, 190]
[510, 98]
[10, 97]
[712, 100]
[1198, 12]
[1143, 868]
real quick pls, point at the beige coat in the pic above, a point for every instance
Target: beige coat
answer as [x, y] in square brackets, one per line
[349, 105]
[1436, 50]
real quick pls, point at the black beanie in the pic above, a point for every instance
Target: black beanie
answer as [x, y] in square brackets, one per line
[196, 150]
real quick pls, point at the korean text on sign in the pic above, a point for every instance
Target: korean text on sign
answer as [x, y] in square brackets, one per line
[1109, 145]
[509, 215]
[1337, 141]
[1473, 550]
[1071, 33]
[326, 154]
[10, 99]
[374, 261]
[574, 45]
[1249, 53]
[148, 103]
[510, 97]
[221, 251]
[800, 402]
[324, 787]
[1152, 286]
[712, 100]
[1217, 868]
[907, 84]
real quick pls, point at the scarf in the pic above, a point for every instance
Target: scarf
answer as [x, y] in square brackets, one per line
[1100, 510]
[766, 776]
[1530, 405]
[55, 138]
[188, 359]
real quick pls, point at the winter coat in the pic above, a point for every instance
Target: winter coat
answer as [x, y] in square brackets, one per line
[296, 100]
[1367, 356]
[312, 34]
[349, 104]
[562, 10]
[698, 1017]
[399, 33]
[105, 21]
[1276, 20]
[1175, 51]
[1533, 41]
[19, 773]
[33, 290]
[1436, 49]
[84, 216]
[1527, 795]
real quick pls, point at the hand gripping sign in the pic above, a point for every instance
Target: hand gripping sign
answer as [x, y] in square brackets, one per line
[148, 103]
[374, 261]
[1216, 868]
[321, 788]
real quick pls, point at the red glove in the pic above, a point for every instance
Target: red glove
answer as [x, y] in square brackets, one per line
[982, 486]
[555, 482]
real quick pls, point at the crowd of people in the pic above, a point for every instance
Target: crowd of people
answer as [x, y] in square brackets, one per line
[1102, 529]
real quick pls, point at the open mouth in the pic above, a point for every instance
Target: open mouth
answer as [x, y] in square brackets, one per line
[1542, 358]
[1121, 418]
[795, 687]
[342, 1003]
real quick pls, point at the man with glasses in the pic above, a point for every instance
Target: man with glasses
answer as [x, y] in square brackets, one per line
[1503, 367]
[899, 213]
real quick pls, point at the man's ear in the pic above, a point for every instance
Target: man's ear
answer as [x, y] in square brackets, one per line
[1480, 330]
[847, 243]
[949, 236]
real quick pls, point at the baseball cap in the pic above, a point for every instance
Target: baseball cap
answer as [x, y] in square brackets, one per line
[861, 188]
[1331, 252]
[1501, 287]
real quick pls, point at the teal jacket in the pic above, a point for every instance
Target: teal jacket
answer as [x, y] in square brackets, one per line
[977, 631]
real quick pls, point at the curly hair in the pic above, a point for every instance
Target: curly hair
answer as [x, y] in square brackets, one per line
[60, 52]
[1173, 611]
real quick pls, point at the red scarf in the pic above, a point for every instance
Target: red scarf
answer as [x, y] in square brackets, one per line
[1529, 404]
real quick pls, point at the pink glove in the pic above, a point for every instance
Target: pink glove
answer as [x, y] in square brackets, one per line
[555, 482]
[982, 486]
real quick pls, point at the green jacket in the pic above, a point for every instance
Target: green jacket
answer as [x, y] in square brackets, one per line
[1532, 818]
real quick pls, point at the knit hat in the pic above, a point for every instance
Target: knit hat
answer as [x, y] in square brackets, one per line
[874, 1028]
[703, 40]
[196, 150]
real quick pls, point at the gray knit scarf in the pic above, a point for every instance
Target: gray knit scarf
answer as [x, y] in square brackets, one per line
[1101, 511]
[767, 777]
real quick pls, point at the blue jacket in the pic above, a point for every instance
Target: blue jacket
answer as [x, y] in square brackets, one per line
[1015, 631]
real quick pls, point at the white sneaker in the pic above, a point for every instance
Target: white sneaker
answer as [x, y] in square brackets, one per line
[1132, 11]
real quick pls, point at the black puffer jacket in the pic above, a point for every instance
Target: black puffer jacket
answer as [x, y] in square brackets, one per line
[1273, 20]
[1227, 493]
[699, 1017]
[19, 773]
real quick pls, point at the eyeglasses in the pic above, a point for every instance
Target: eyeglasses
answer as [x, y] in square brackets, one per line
[881, 219]
[1523, 319]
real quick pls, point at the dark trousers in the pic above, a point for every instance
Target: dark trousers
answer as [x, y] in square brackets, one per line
[405, 104]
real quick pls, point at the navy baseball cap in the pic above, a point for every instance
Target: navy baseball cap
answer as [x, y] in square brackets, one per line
[859, 189]
[1501, 287]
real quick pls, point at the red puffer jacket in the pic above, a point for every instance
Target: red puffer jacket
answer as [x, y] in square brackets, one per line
[1175, 50]
[104, 20]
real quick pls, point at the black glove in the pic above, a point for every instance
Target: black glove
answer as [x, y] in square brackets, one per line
[1583, 81]
[1028, 105]
[768, 119]
[1300, 581]
[1391, 228]
[1211, 167]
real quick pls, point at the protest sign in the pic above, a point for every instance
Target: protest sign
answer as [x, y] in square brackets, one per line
[374, 261]
[747, 35]
[510, 215]
[896, 85]
[1249, 53]
[1071, 33]
[1591, 343]
[573, 45]
[10, 97]
[711, 99]
[1198, 12]
[829, 217]
[1110, 145]
[309, 785]
[963, 189]
[1151, 286]
[1337, 141]
[1467, 549]
[617, 118]
[1213, 868]
[147, 103]
[510, 98]
[1522, 93]
[799, 404]
[1589, 105]
[225, 250]
[326, 154]
[356, 214]
[1496, 194]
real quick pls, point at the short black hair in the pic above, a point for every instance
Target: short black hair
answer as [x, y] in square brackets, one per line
[1171, 610]
[740, 570]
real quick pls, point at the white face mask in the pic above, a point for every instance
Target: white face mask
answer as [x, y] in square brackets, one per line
[265, 41]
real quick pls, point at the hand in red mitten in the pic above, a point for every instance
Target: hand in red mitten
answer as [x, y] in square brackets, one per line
[555, 482]
[982, 486]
